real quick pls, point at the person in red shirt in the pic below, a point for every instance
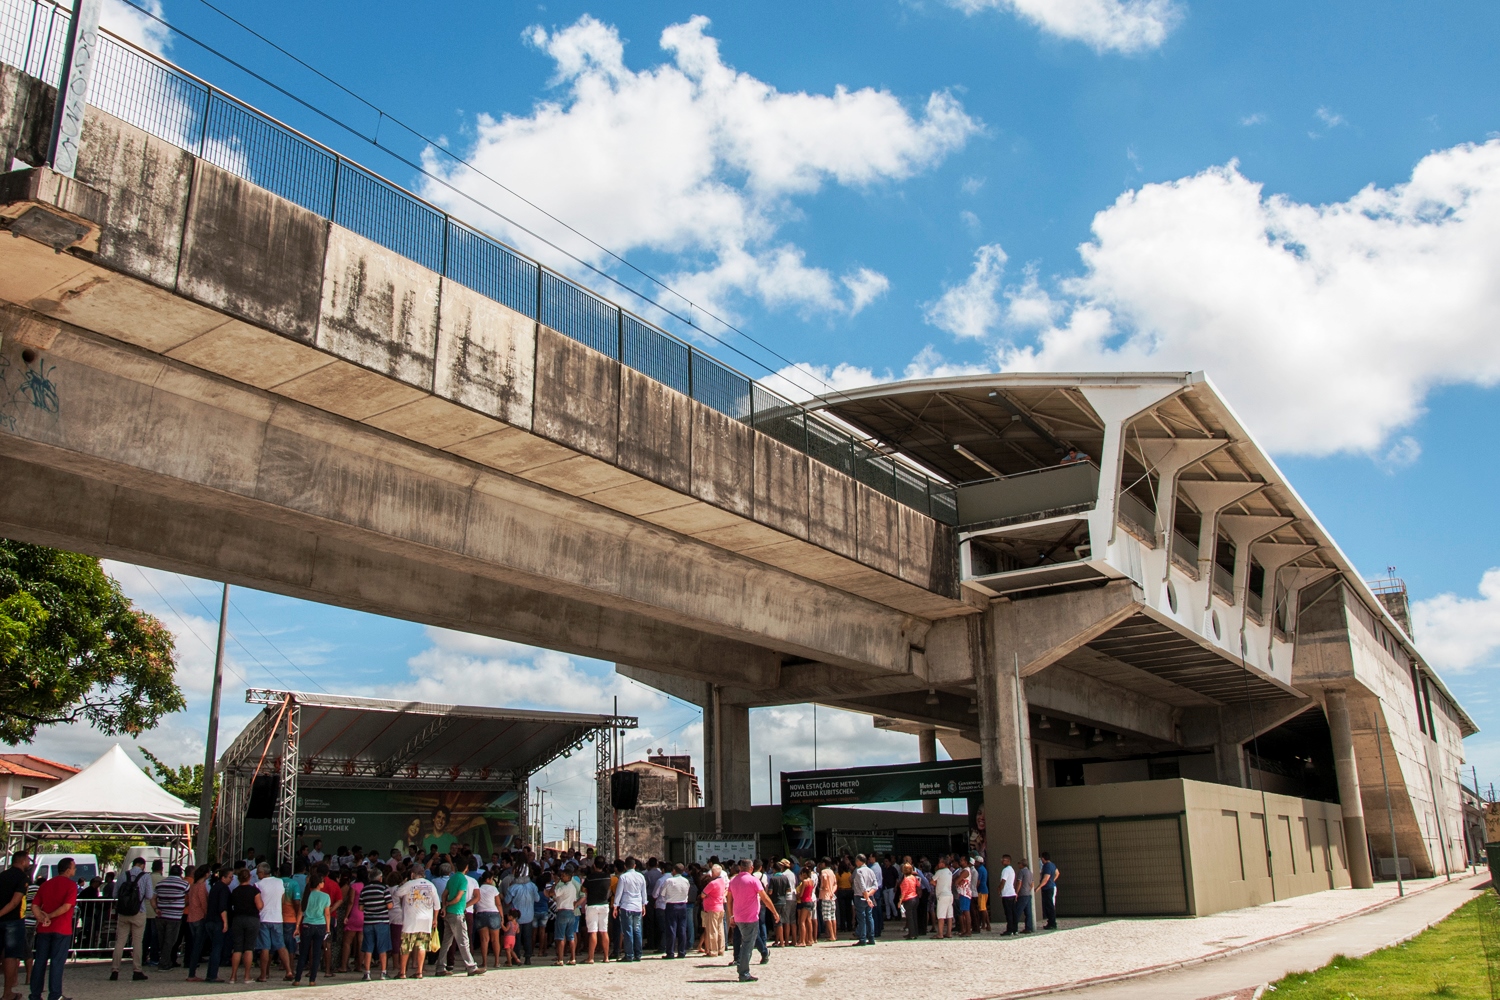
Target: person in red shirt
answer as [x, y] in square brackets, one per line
[54, 930]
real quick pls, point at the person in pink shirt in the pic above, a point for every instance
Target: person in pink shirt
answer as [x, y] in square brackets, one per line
[714, 890]
[746, 897]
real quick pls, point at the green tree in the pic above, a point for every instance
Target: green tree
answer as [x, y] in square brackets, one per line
[74, 649]
[185, 782]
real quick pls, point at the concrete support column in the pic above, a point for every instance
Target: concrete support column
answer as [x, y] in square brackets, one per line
[1229, 759]
[734, 743]
[1356, 845]
[927, 753]
[1004, 743]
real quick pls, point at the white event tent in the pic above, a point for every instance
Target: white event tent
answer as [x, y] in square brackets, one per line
[110, 798]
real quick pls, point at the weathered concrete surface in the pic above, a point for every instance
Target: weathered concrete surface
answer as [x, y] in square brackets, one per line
[26, 108]
[723, 460]
[59, 507]
[577, 396]
[252, 255]
[379, 310]
[486, 355]
[128, 416]
[655, 437]
[149, 181]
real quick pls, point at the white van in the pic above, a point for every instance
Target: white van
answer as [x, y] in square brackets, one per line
[152, 854]
[86, 866]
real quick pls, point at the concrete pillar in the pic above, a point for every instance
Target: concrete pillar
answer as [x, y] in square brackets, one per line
[1336, 705]
[1229, 759]
[1004, 744]
[927, 753]
[734, 742]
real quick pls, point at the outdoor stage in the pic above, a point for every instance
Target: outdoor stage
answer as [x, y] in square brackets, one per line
[384, 773]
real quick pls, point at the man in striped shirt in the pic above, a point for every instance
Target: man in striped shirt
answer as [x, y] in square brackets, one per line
[375, 901]
[171, 897]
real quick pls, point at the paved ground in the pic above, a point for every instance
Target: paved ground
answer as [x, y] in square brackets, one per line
[981, 966]
[1238, 974]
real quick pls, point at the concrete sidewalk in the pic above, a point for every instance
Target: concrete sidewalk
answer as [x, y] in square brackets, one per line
[1240, 973]
[1174, 958]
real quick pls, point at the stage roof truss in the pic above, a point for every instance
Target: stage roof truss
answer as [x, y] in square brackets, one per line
[385, 741]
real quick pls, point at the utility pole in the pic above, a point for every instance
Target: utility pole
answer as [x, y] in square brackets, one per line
[211, 749]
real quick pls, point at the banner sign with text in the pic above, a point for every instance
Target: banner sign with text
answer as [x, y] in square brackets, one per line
[943, 779]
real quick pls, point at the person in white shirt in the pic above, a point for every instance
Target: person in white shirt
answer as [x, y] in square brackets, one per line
[629, 904]
[942, 890]
[674, 891]
[419, 909]
[564, 893]
[1008, 894]
[316, 854]
[271, 939]
[487, 919]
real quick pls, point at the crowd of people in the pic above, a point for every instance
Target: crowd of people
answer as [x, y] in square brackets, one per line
[410, 915]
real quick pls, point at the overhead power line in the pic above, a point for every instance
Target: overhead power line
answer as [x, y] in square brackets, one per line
[432, 144]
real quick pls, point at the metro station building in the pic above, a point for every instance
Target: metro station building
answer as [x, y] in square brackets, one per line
[1166, 609]
[1176, 682]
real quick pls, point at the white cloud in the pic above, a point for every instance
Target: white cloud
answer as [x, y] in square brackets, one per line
[804, 381]
[865, 286]
[970, 220]
[1104, 25]
[1258, 118]
[135, 25]
[1325, 325]
[971, 309]
[1331, 118]
[971, 185]
[1461, 633]
[458, 668]
[693, 159]
[1403, 452]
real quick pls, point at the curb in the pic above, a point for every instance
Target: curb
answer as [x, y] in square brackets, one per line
[1187, 963]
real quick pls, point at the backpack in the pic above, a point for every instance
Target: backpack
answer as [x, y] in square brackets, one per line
[128, 902]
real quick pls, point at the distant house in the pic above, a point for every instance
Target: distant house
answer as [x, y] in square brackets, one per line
[667, 783]
[22, 775]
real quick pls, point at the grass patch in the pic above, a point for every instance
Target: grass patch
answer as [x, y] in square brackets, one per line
[1447, 960]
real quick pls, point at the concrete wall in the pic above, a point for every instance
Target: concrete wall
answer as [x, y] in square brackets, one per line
[643, 830]
[1340, 644]
[400, 347]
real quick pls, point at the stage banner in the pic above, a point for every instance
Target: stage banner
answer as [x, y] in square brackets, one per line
[943, 779]
[408, 820]
[797, 831]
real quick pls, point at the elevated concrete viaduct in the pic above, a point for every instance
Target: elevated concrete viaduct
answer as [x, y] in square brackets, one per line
[200, 375]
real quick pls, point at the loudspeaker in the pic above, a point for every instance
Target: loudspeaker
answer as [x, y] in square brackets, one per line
[624, 789]
[263, 795]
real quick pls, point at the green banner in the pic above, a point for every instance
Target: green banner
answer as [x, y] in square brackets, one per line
[407, 821]
[944, 779]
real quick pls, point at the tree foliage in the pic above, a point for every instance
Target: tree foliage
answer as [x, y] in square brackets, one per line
[74, 649]
[184, 781]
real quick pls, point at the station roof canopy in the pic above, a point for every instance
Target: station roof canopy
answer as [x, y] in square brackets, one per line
[971, 428]
[362, 740]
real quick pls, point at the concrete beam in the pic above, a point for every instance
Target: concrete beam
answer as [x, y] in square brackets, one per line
[1038, 631]
[63, 509]
[133, 417]
[1070, 694]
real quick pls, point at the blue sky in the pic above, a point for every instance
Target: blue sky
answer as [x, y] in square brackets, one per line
[1301, 199]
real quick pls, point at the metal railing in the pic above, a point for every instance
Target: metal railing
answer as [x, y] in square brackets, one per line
[93, 929]
[157, 97]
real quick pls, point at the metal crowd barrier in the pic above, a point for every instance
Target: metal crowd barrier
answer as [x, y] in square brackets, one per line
[144, 90]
